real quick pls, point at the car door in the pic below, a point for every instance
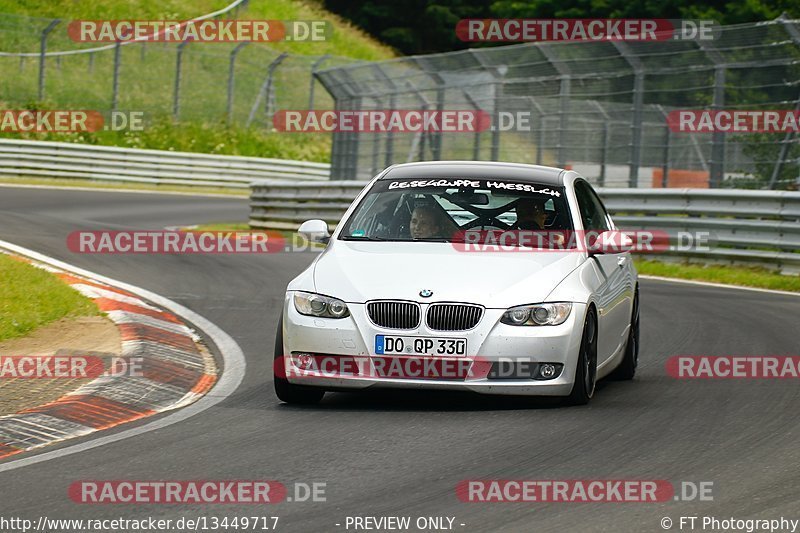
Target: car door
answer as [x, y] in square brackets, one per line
[615, 294]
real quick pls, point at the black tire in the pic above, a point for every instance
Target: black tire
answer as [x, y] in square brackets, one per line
[586, 371]
[288, 392]
[627, 368]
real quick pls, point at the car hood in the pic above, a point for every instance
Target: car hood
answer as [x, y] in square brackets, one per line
[360, 271]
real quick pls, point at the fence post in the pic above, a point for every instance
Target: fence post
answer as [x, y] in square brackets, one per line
[312, 82]
[601, 180]
[43, 54]
[231, 66]
[376, 139]
[115, 82]
[638, 102]
[783, 152]
[564, 91]
[270, 78]
[418, 144]
[787, 139]
[476, 145]
[390, 135]
[498, 96]
[177, 95]
[717, 163]
[336, 147]
[539, 130]
[437, 137]
[667, 141]
[265, 87]
[392, 104]
[354, 146]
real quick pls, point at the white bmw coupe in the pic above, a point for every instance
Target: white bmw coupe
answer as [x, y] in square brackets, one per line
[496, 278]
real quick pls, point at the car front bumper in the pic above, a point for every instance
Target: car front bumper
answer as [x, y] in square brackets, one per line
[490, 341]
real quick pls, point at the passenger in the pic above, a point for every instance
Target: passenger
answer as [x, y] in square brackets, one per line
[427, 223]
[531, 214]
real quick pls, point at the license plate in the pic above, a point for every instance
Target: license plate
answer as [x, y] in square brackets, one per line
[397, 345]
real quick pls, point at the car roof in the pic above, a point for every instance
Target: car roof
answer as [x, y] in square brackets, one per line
[477, 169]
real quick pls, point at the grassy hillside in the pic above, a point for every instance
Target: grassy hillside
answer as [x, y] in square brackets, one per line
[147, 76]
[346, 41]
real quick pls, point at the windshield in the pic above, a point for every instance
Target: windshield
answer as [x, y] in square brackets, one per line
[443, 209]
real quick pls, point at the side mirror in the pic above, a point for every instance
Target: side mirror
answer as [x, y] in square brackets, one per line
[315, 230]
[608, 242]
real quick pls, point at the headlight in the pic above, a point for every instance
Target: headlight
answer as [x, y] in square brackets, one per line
[311, 304]
[551, 314]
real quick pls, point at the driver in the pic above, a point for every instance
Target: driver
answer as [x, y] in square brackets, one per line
[426, 223]
[531, 214]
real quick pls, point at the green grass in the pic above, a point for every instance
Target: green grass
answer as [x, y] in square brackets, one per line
[727, 275]
[31, 297]
[225, 226]
[67, 182]
[208, 138]
[147, 76]
[346, 40]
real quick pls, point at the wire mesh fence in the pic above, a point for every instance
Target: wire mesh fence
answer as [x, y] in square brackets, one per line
[238, 83]
[597, 107]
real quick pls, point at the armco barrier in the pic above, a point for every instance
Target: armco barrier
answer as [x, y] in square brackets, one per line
[748, 227]
[105, 163]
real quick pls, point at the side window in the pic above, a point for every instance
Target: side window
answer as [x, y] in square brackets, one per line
[601, 210]
[593, 213]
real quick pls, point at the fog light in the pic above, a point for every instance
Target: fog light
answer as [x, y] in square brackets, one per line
[303, 361]
[547, 371]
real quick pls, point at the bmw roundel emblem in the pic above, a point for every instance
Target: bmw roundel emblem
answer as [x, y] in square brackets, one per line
[425, 293]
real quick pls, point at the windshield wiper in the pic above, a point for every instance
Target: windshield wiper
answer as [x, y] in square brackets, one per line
[363, 238]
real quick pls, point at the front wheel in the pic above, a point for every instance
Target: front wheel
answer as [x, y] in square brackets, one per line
[586, 372]
[288, 392]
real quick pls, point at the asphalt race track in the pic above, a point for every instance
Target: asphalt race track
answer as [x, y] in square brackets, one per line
[402, 453]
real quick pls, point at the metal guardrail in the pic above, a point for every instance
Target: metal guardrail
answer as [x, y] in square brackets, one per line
[748, 227]
[105, 163]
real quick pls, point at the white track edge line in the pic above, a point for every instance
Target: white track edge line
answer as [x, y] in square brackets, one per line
[112, 189]
[718, 285]
[228, 380]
